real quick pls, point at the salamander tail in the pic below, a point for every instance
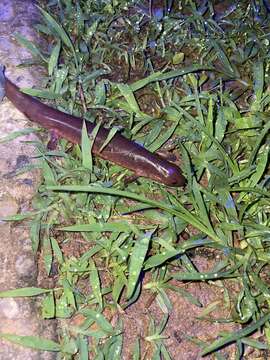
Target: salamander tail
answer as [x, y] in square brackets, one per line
[2, 82]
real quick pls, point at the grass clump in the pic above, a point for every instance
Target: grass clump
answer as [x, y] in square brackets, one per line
[211, 108]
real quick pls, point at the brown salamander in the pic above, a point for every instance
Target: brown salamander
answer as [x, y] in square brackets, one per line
[119, 150]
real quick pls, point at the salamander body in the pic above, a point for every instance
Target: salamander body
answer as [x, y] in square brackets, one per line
[119, 150]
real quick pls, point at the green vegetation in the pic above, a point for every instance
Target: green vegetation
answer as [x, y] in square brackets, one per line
[184, 77]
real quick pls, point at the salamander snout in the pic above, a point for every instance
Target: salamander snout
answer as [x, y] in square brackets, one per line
[174, 177]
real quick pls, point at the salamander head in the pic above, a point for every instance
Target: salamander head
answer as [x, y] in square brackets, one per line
[174, 177]
[166, 173]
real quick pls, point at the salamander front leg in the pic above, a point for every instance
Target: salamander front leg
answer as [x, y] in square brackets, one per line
[130, 179]
[53, 142]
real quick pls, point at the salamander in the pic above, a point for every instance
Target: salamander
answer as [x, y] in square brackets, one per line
[119, 150]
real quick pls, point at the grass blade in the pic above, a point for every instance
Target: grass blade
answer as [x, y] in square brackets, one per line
[30, 46]
[159, 76]
[181, 212]
[53, 61]
[105, 227]
[59, 30]
[86, 145]
[24, 292]
[235, 336]
[33, 342]
[136, 262]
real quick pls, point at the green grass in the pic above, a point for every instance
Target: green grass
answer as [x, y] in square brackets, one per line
[222, 136]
